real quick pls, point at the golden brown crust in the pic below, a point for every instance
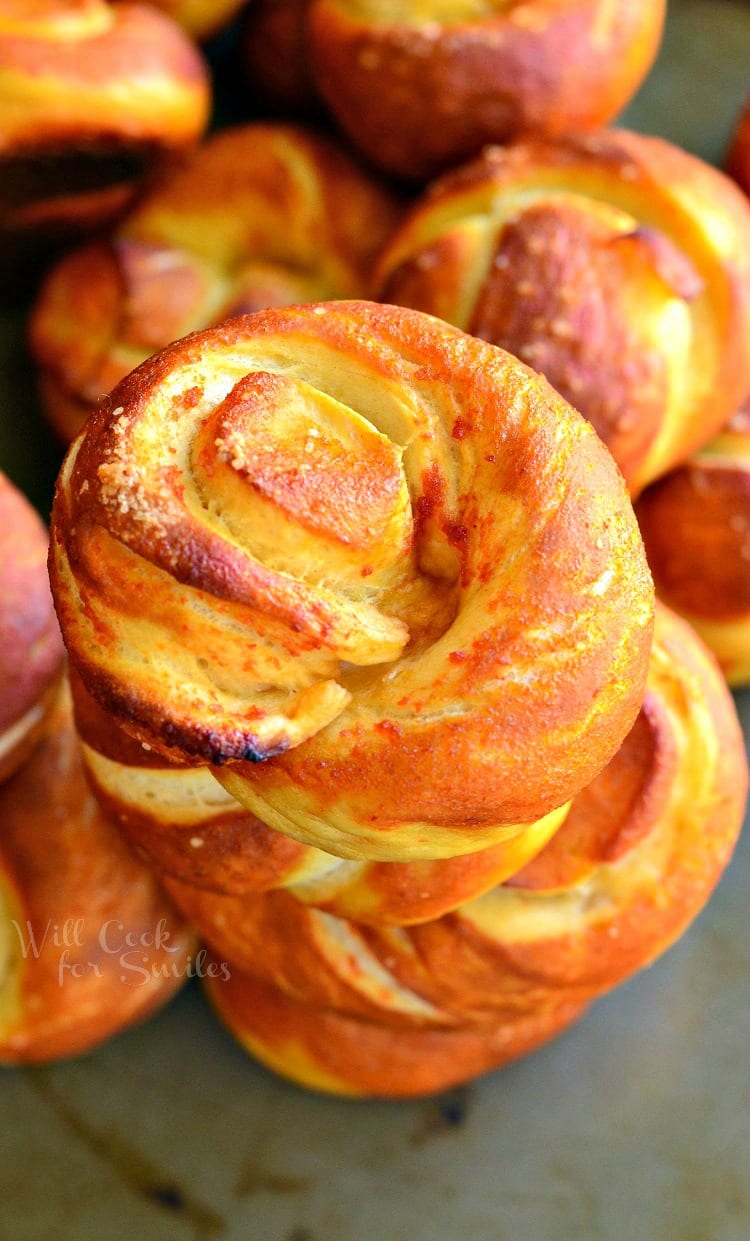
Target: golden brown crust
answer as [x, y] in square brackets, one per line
[637, 857]
[475, 584]
[420, 87]
[91, 944]
[91, 96]
[184, 824]
[330, 1052]
[696, 527]
[261, 215]
[617, 266]
[636, 860]
[31, 650]
[210, 851]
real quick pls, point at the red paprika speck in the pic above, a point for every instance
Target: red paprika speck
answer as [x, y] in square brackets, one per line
[456, 534]
[433, 497]
[191, 397]
[460, 429]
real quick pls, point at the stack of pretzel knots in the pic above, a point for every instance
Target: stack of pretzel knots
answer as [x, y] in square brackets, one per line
[366, 668]
[380, 437]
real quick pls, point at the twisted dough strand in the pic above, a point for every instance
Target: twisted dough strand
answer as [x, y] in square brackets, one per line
[190, 829]
[355, 1009]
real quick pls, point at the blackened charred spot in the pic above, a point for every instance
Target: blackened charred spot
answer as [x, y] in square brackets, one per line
[252, 755]
[245, 751]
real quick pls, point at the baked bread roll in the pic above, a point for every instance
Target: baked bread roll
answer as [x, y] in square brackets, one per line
[355, 527]
[418, 87]
[31, 649]
[184, 824]
[92, 97]
[617, 266]
[352, 1009]
[89, 943]
[261, 215]
[696, 527]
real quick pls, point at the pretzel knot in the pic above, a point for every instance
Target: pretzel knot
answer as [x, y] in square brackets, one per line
[262, 214]
[418, 87]
[377, 552]
[94, 98]
[616, 265]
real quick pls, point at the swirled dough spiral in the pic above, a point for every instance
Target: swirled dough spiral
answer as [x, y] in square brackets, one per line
[354, 527]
